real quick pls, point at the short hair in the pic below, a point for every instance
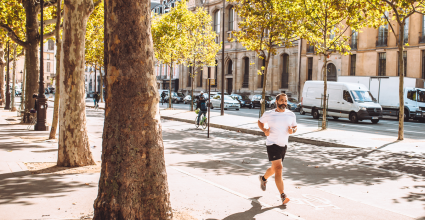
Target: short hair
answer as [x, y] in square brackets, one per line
[279, 95]
[34, 95]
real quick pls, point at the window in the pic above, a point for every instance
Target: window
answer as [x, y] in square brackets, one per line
[51, 45]
[217, 24]
[422, 38]
[354, 38]
[160, 10]
[263, 63]
[382, 36]
[230, 67]
[405, 64]
[406, 32]
[353, 65]
[285, 71]
[382, 68]
[411, 94]
[230, 19]
[48, 66]
[200, 78]
[47, 56]
[245, 83]
[310, 48]
[215, 75]
[423, 64]
[310, 69]
[189, 78]
[347, 97]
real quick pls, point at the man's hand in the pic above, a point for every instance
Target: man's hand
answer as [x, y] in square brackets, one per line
[292, 130]
[267, 132]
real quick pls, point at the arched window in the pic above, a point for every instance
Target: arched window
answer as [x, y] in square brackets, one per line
[231, 18]
[217, 23]
[331, 72]
[285, 71]
[245, 83]
[230, 67]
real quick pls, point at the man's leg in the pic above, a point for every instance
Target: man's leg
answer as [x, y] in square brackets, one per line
[199, 115]
[276, 169]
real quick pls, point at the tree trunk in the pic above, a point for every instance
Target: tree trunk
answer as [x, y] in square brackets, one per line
[169, 83]
[191, 85]
[325, 90]
[2, 66]
[401, 85]
[55, 120]
[95, 79]
[74, 148]
[263, 94]
[101, 85]
[133, 182]
[23, 84]
[12, 95]
[32, 51]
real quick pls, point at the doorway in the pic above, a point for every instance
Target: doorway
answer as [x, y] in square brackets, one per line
[229, 85]
[331, 72]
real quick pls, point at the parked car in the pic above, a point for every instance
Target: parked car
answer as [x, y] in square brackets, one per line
[187, 99]
[243, 100]
[177, 97]
[229, 102]
[256, 100]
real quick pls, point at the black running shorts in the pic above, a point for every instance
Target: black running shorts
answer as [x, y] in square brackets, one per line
[276, 152]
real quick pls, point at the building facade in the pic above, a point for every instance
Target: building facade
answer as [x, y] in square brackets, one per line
[374, 53]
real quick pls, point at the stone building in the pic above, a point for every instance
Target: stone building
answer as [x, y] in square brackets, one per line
[241, 65]
[374, 53]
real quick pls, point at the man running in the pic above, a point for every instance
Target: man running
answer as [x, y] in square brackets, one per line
[281, 123]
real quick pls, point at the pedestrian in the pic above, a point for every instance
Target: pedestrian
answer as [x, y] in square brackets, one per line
[94, 99]
[34, 96]
[97, 98]
[162, 97]
[202, 106]
[281, 123]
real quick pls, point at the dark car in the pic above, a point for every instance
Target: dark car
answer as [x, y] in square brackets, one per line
[177, 97]
[256, 100]
[243, 100]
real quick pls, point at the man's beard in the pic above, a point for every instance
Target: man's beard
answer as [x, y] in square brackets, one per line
[282, 106]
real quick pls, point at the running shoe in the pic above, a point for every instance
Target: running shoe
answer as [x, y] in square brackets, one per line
[284, 199]
[263, 183]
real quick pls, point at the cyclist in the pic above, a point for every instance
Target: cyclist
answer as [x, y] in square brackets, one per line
[202, 106]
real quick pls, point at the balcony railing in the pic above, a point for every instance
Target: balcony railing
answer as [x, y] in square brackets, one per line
[421, 38]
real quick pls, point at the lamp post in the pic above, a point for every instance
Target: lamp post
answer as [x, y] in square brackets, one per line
[222, 60]
[41, 99]
[7, 107]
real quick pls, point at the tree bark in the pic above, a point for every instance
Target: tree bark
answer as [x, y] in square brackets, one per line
[169, 83]
[32, 50]
[325, 90]
[23, 84]
[55, 120]
[401, 84]
[263, 94]
[74, 149]
[12, 95]
[133, 181]
[101, 85]
[2, 66]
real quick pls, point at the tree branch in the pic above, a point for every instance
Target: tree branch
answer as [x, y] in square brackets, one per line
[52, 33]
[13, 35]
[97, 3]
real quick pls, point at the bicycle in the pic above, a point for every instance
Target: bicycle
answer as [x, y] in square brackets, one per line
[203, 122]
[96, 107]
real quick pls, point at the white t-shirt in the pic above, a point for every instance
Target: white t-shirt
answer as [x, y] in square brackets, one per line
[278, 123]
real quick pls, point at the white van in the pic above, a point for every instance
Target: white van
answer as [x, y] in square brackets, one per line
[346, 100]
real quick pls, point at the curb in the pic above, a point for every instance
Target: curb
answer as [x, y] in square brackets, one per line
[260, 133]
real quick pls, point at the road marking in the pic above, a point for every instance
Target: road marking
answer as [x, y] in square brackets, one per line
[236, 193]
[316, 202]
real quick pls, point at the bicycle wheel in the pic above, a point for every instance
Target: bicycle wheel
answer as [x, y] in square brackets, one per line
[204, 124]
[196, 122]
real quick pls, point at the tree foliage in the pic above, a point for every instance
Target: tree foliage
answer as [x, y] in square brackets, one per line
[325, 24]
[265, 25]
[94, 50]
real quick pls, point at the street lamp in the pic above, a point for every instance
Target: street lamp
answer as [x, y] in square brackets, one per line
[222, 60]
[41, 99]
[7, 107]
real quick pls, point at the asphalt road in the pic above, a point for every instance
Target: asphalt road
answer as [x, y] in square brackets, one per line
[388, 126]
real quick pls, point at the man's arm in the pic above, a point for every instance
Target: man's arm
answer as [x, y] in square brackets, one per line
[261, 126]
